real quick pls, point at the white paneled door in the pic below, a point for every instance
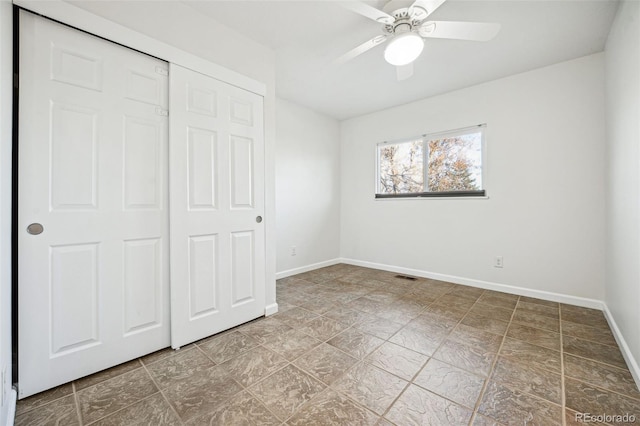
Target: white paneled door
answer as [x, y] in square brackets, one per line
[217, 203]
[93, 232]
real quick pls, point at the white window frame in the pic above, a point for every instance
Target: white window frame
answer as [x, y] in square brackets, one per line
[479, 194]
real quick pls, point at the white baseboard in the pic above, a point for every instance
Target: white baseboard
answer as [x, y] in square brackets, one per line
[521, 291]
[624, 348]
[294, 271]
[11, 409]
[270, 309]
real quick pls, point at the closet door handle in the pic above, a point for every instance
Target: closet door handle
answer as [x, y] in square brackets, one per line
[35, 229]
[258, 219]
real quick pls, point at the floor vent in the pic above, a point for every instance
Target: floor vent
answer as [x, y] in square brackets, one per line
[406, 277]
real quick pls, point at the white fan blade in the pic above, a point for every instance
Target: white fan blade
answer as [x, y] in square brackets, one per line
[421, 9]
[475, 31]
[368, 11]
[403, 72]
[369, 44]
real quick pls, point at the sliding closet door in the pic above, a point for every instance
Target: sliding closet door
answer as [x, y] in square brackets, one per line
[93, 205]
[217, 203]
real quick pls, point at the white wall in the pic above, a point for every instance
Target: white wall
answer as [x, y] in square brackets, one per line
[307, 186]
[544, 176]
[622, 65]
[6, 88]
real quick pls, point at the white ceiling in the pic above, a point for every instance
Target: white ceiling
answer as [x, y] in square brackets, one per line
[307, 35]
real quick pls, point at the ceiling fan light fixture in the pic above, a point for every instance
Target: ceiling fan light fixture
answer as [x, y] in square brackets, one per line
[404, 49]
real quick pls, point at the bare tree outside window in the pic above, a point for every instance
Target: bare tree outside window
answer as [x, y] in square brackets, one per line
[401, 168]
[453, 164]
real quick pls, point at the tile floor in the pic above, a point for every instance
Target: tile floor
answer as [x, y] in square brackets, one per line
[355, 346]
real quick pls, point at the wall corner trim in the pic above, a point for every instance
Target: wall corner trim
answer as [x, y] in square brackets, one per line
[632, 363]
[11, 408]
[270, 309]
[301, 269]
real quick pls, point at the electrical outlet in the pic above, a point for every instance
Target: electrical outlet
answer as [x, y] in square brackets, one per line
[498, 263]
[293, 251]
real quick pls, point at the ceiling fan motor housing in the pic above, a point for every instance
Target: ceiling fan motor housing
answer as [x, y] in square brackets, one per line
[406, 20]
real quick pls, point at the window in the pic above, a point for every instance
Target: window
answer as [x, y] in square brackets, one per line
[445, 164]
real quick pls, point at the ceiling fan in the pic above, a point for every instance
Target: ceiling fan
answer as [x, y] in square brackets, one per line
[405, 26]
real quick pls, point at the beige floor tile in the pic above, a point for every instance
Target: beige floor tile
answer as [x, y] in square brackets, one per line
[366, 304]
[600, 335]
[254, 365]
[527, 378]
[162, 354]
[585, 316]
[114, 394]
[539, 301]
[202, 394]
[325, 363]
[417, 406]
[513, 407]
[454, 301]
[468, 357]
[526, 353]
[602, 375]
[397, 360]
[285, 391]
[242, 409]
[355, 343]
[379, 327]
[536, 336]
[595, 351]
[503, 300]
[532, 319]
[536, 308]
[322, 328]
[474, 337]
[370, 386]
[260, 330]
[424, 342]
[183, 365]
[490, 311]
[296, 316]
[61, 411]
[431, 323]
[586, 398]
[42, 398]
[485, 324]
[291, 344]
[480, 420]
[472, 293]
[343, 350]
[319, 305]
[450, 312]
[451, 382]
[500, 294]
[329, 408]
[151, 411]
[227, 346]
[347, 316]
[93, 379]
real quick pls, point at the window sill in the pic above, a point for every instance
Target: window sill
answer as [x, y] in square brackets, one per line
[466, 195]
[485, 197]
